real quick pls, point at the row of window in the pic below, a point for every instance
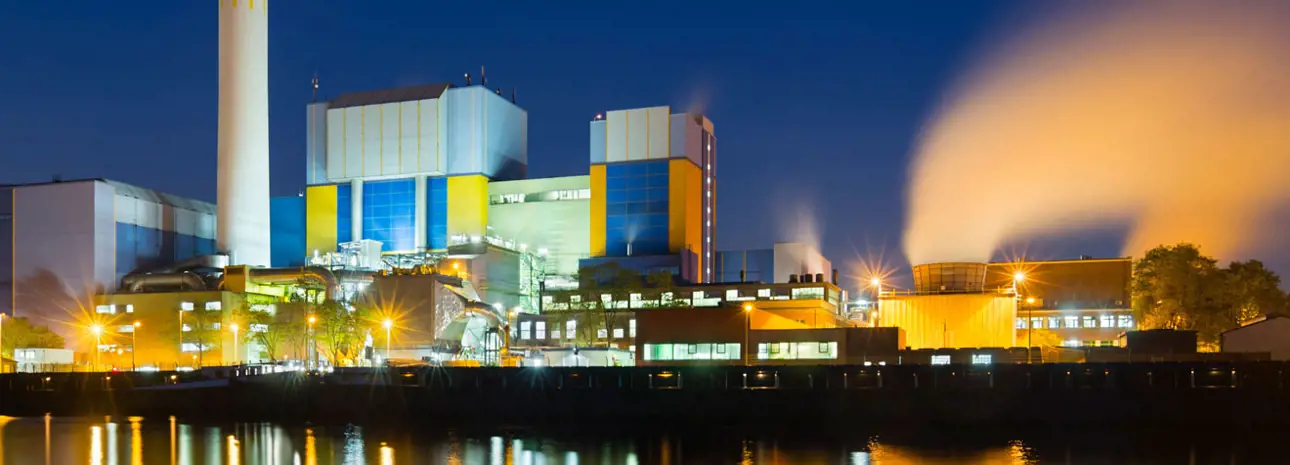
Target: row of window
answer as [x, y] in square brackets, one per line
[697, 298]
[977, 359]
[537, 330]
[1104, 320]
[699, 351]
[797, 351]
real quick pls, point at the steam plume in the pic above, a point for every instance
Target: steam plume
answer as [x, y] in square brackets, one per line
[1170, 117]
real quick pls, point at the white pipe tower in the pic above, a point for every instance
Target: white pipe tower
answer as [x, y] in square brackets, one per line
[242, 228]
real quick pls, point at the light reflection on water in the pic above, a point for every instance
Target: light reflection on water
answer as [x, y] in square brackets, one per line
[104, 441]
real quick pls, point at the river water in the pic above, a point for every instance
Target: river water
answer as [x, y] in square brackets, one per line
[48, 440]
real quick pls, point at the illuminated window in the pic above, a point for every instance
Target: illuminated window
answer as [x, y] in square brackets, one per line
[732, 294]
[618, 333]
[575, 299]
[525, 329]
[697, 294]
[547, 300]
[555, 331]
[763, 293]
[259, 328]
[570, 327]
[1090, 322]
[1037, 322]
[1107, 320]
[189, 347]
[700, 351]
[631, 325]
[1054, 322]
[1021, 323]
[129, 308]
[186, 306]
[1125, 321]
[982, 359]
[186, 327]
[940, 360]
[540, 330]
[108, 309]
[602, 333]
[666, 297]
[1070, 322]
[807, 293]
[214, 326]
[125, 329]
[214, 306]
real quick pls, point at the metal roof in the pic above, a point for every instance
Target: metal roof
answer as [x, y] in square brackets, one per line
[133, 191]
[401, 94]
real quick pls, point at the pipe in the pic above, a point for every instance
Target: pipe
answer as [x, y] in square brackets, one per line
[200, 261]
[319, 274]
[137, 282]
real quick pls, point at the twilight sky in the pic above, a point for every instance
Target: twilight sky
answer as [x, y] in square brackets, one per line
[816, 105]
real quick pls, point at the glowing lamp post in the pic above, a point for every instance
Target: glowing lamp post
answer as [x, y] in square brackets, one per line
[388, 324]
[747, 328]
[97, 330]
[1017, 279]
[309, 330]
[236, 355]
[876, 283]
[134, 348]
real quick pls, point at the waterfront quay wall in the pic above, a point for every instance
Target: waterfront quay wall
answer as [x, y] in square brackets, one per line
[1116, 395]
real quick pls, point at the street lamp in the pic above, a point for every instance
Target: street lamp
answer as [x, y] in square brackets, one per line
[97, 329]
[876, 283]
[2, 343]
[236, 355]
[747, 328]
[134, 349]
[388, 324]
[1017, 278]
[309, 332]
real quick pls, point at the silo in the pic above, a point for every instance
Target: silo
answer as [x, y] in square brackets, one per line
[242, 146]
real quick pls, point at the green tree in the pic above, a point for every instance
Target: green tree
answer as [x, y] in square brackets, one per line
[1178, 287]
[203, 330]
[272, 330]
[341, 330]
[20, 333]
[1253, 291]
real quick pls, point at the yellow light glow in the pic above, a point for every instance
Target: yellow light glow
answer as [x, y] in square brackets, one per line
[1019, 276]
[96, 329]
[387, 323]
[747, 307]
[875, 282]
[312, 319]
[1030, 300]
[137, 324]
[233, 327]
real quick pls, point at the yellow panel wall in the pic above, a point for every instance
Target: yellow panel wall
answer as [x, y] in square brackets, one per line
[597, 210]
[467, 205]
[952, 320]
[320, 219]
[685, 208]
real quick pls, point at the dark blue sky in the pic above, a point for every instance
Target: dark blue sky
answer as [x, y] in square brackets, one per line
[818, 102]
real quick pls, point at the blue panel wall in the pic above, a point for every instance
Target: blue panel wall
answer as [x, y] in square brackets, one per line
[437, 213]
[141, 248]
[389, 213]
[636, 208]
[344, 213]
[287, 231]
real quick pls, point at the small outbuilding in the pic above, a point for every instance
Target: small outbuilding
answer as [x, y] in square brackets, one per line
[1269, 335]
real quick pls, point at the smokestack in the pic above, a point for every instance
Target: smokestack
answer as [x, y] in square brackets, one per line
[743, 275]
[835, 276]
[483, 78]
[792, 278]
[242, 144]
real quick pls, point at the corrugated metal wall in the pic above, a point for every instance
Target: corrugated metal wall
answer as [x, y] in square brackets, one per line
[952, 320]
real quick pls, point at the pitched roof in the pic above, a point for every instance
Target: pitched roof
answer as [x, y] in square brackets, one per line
[401, 94]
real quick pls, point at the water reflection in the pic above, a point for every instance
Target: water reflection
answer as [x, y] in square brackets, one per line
[135, 440]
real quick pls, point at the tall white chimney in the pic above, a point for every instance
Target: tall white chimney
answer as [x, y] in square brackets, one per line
[242, 228]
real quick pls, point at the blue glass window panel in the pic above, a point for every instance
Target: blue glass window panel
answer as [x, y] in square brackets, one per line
[437, 213]
[384, 217]
[344, 213]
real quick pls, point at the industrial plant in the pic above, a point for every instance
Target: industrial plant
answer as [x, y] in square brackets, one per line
[418, 207]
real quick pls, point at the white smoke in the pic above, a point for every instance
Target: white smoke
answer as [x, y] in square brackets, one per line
[1171, 117]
